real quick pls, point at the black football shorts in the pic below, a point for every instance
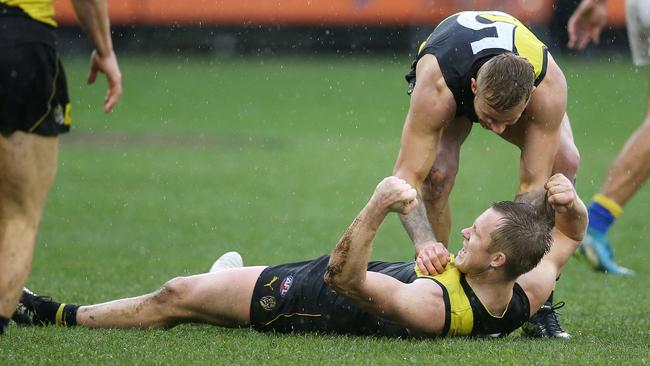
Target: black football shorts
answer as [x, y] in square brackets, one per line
[33, 90]
[294, 298]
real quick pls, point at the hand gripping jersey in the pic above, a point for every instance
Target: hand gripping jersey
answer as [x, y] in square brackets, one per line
[294, 298]
[463, 42]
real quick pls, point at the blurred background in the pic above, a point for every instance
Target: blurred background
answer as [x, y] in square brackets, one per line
[228, 27]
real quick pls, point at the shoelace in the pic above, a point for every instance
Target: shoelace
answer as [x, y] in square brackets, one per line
[550, 317]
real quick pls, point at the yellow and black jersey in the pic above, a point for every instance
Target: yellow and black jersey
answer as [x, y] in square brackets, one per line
[294, 298]
[40, 10]
[465, 313]
[463, 42]
[26, 21]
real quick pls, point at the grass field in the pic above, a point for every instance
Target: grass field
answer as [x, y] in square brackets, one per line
[273, 158]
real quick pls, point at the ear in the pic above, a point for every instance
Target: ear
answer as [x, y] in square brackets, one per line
[498, 260]
[474, 86]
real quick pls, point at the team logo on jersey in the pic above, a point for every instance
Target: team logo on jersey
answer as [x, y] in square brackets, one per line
[268, 303]
[286, 285]
[270, 284]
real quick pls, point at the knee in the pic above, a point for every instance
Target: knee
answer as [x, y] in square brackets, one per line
[173, 292]
[170, 302]
[439, 182]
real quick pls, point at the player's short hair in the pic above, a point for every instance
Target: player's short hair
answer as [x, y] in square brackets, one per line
[523, 234]
[505, 81]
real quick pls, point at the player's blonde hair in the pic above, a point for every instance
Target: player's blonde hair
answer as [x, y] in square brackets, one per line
[505, 81]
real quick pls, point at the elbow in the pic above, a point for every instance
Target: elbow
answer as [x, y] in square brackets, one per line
[333, 279]
[336, 284]
[332, 276]
[329, 279]
[339, 284]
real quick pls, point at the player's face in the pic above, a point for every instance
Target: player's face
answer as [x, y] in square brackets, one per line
[474, 257]
[496, 121]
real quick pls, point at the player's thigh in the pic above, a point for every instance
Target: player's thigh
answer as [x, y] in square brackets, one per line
[28, 166]
[224, 297]
[567, 158]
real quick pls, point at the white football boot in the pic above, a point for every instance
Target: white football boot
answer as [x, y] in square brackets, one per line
[227, 261]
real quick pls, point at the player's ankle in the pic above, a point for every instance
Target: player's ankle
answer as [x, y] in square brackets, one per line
[69, 316]
[603, 212]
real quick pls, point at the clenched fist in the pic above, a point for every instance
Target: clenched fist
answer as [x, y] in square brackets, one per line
[561, 193]
[395, 195]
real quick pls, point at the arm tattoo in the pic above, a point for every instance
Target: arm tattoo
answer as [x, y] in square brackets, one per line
[417, 224]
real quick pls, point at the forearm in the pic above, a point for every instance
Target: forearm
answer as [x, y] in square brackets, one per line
[573, 221]
[417, 225]
[348, 263]
[93, 16]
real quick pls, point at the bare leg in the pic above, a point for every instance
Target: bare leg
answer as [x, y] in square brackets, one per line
[438, 185]
[631, 168]
[221, 298]
[27, 170]
[626, 175]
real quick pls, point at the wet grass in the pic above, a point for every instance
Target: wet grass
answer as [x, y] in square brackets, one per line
[274, 157]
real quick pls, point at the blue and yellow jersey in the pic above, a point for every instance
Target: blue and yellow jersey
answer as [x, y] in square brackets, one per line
[463, 42]
[40, 10]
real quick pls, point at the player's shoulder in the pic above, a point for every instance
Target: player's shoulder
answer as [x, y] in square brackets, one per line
[431, 78]
[551, 93]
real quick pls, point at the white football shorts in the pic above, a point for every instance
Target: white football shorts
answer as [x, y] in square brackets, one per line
[638, 30]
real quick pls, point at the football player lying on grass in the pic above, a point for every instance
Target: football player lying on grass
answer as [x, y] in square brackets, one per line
[506, 269]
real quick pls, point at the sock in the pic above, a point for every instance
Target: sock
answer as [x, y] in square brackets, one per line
[603, 212]
[68, 315]
[65, 315]
[4, 322]
[54, 313]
